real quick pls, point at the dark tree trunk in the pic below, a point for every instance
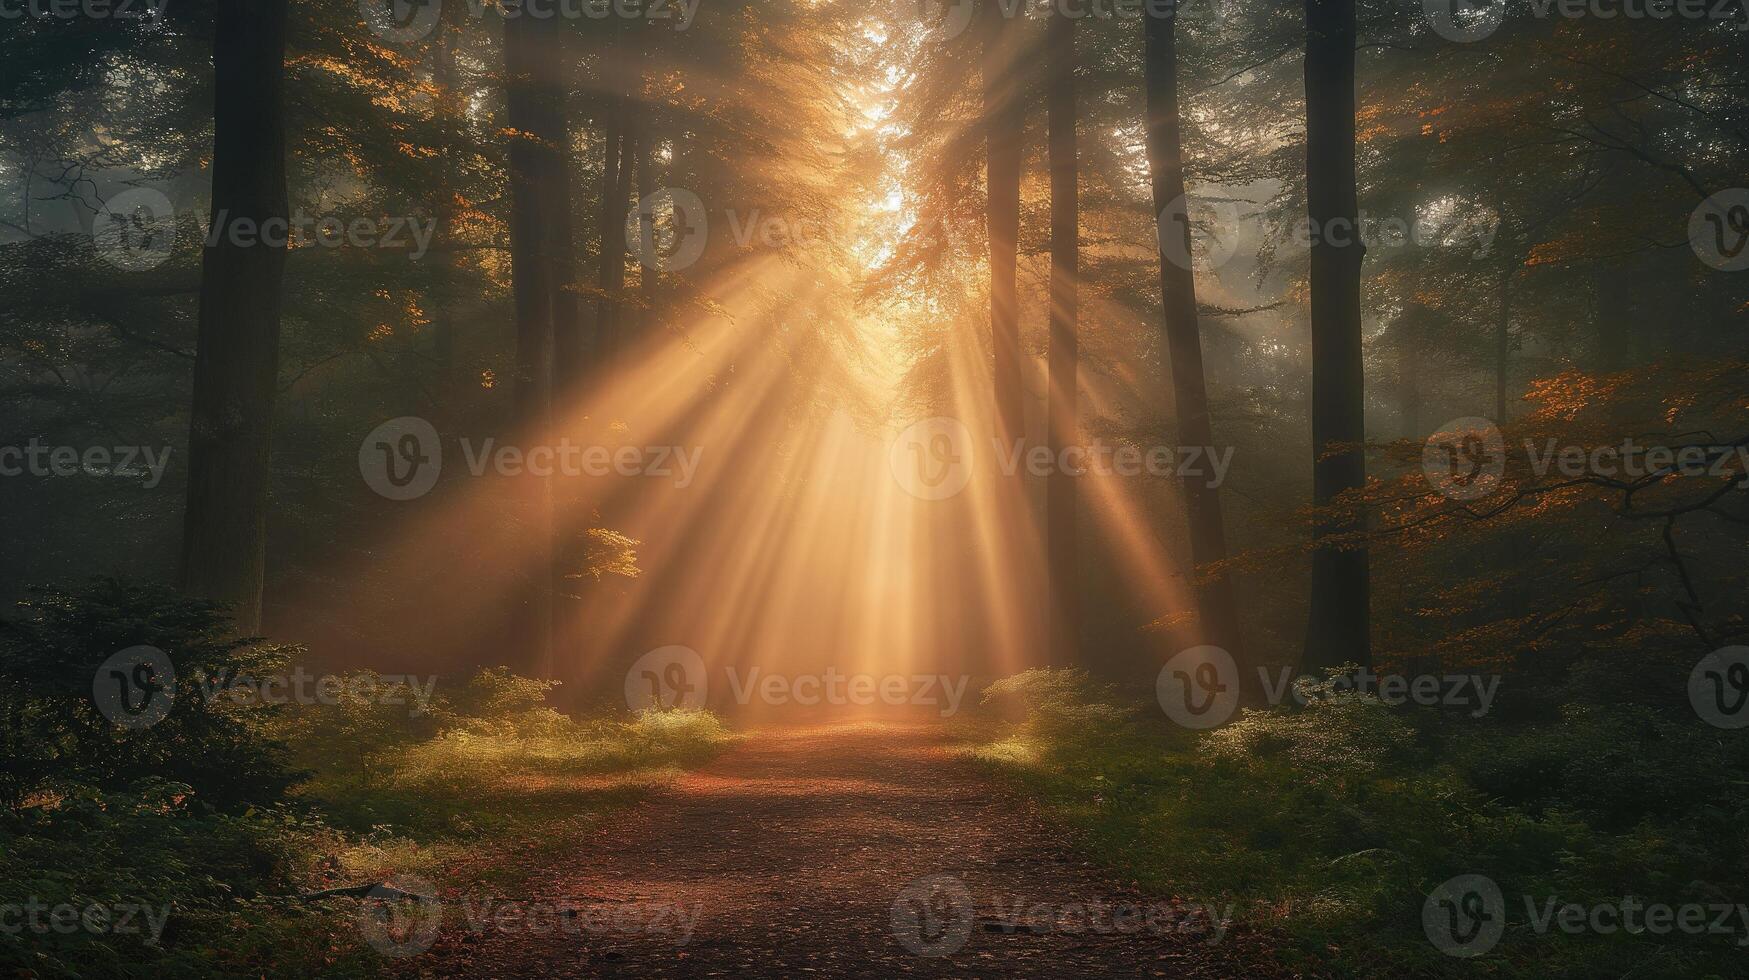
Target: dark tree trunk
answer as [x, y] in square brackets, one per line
[451, 110]
[571, 353]
[1003, 124]
[647, 280]
[625, 315]
[1409, 379]
[1218, 616]
[611, 227]
[1060, 506]
[530, 66]
[236, 368]
[1339, 628]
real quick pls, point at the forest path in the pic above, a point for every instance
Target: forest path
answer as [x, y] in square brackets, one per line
[845, 851]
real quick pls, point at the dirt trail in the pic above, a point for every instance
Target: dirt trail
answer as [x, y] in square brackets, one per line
[850, 851]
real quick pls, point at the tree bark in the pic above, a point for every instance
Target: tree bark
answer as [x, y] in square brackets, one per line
[1409, 396]
[1003, 123]
[451, 115]
[1060, 497]
[1339, 627]
[1218, 615]
[532, 114]
[236, 369]
[647, 276]
[611, 226]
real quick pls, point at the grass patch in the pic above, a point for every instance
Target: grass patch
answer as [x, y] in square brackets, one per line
[1330, 825]
[181, 849]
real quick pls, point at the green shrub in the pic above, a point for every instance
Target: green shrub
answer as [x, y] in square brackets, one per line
[1330, 824]
[53, 733]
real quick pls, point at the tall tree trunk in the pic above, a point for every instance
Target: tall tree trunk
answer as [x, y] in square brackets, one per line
[611, 228]
[1409, 376]
[451, 118]
[236, 367]
[1060, 506]
[1339, 627]
[647, 276]
[1219, 617]
[1003, 124]
[625, 316]
[571, 353]
[530, 67]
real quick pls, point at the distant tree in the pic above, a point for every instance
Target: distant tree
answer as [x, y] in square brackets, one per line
[1003, 127]
[1060, 496]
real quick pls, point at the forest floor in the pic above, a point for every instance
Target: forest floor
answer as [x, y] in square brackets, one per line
[855, 850]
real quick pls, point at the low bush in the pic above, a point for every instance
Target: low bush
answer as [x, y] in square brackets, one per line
[1331, 824]
[204, 829]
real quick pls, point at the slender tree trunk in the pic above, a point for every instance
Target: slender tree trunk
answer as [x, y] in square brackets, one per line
[451, 110]
[236, 368]
[647, 276]
[532, 115]
[1409, 379]
[571, 352]
[1339, 629]
[611, 227]
[1219, 617]
[1003, 123]
[625, 317]
[1060, 505]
